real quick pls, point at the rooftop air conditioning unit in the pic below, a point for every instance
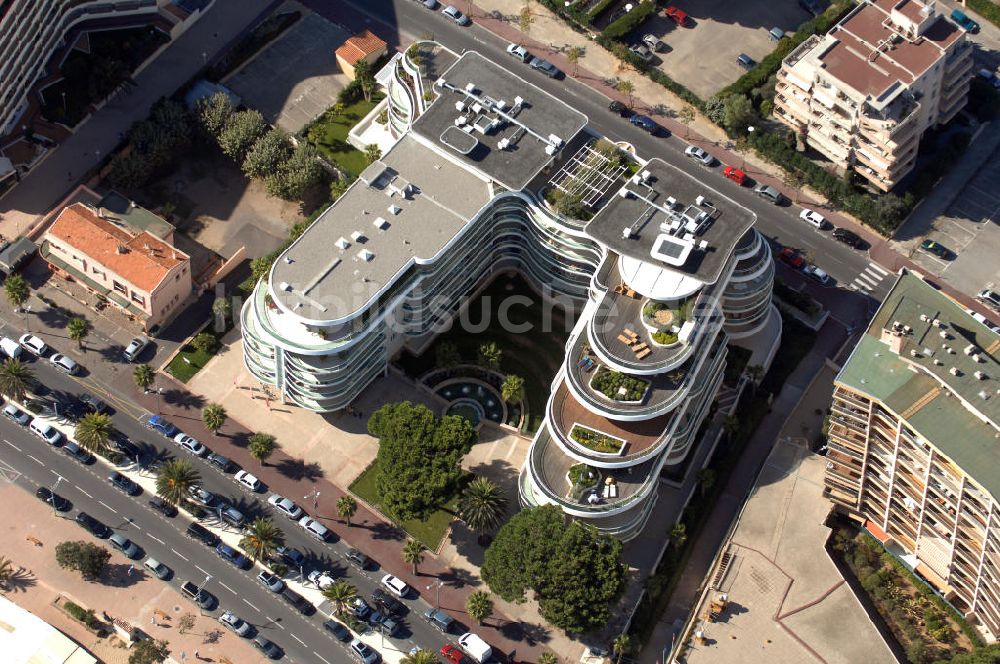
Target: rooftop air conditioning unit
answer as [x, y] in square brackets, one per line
[395, 209]
[924, 317]
[646, 175]
[470, 87]
[365, 255]
[943, 334]
[285, 286]
[380, 224]
[970, 349]
[979, 375]
[953, 371]
[518, 102]
[503, 143]
[357, 236]
[700, 200]
[978, 358]
[914, 353]
[550, 149]
[342, 243]
[555, 140]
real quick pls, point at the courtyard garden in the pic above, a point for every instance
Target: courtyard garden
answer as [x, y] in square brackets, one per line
[618, 386]
[329, 134]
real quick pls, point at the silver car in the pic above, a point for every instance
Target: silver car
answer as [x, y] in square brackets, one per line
[315, 528]
[451, 11]
[235, 624]
[161, 571]
[286, 506]
[65, 363]
[124, 544]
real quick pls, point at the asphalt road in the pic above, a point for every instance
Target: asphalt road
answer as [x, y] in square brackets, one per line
[87, 487]
[408, 20]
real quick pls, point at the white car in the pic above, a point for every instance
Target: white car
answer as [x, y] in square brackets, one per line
[451, 11]
[285, 506]
[236, 624]
[321, 580]
[698, 154]
[519, 52]
[135, 347]
[33, 345]
[315, 528]
[813, 218]
[15, 414]
[190, 444]
[249, 481]
[161, 571]
[64, 362]
[45, 431]
[817, 273]
[395, 585]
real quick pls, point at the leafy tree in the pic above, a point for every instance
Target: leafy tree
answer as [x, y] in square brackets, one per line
[678, 534]
[338, 186]
[186, 623]
[420, 657]
[413, 554]
[176, 478]
[512, 388]
[754, 372]
[346, 508]
[214, 416]
[568, 205]
[6, 572]
[524, 20]
[365, 77]
[143, 375]
[213, 113]
[731, 426]
[261, 538]
[340, 593]
[706, 480]
[78, 329]
[686, 117]
[483, 505]
[480, 606]
[300, 172]
[573, 54]
[575, 572]
[547, 658]
[267, 154]
[446, 355]
[83, 557]
[372, 153]
[93, 431]
[17, 289]
[738, 114]
[241, 131]
[206, 342]
[259, 267]
[626, 88]
[129, 171]
[222, 309]
[490, 355]
[15, 378]
[149, 651]
[418, 457]
[622, 645]
[262, 446]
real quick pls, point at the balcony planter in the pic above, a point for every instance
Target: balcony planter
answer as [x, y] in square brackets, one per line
[619, 387]
[581, 479]
[599, 443]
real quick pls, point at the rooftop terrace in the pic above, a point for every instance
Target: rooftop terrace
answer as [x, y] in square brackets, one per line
[405, 207]
[497, 122]
[677, 231]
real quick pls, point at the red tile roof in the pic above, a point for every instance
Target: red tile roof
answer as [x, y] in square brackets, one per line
[142, 258]
[359, 47]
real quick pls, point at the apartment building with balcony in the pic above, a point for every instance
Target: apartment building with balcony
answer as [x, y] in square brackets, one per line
[914, 444]
[864, 94]
[666, 263]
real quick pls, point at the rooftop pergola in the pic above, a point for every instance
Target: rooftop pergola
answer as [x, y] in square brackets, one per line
[590, 174]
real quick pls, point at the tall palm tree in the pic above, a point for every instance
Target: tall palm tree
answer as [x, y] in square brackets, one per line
[6, 572]
[420, 657]
[340, 593]
[17, 290]
[678, 534]
[214, 416]
[706, 480]
[78, 329]
[626, 88]
[547, 658]
[261, 539]
[573, 55]
[346, 508]
[512, 389]
[483, 505]
[480, 606]
[622, 645]
[261, 446]
[176, 477]
[730, 425]
[144, 375]
[93, 431]
[413, 553]
[15, 377]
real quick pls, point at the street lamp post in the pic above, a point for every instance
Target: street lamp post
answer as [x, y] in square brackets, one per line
[743, 158]
[159, 393]
[208, 577]
[315, 497]
[437, 599]
[27, 322]
[52, 500]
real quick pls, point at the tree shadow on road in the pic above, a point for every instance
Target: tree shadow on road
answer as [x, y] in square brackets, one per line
[457, 577]
[384, 531]
[118, 575]
[21, 580]
[183, 399]
[55, 319]
[297, 469]
[530, 633]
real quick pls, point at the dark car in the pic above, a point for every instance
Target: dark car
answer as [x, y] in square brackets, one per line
[339, 631]
[358, 559]
[932, 247]
[76, 452]
[439, 620]
[126, 447]
[850, 238]
[124, 484]
[814, 7]
[93, 404]
[304, 606]
[202, 534]
[267, 647]
[389, 604]
[58, 502]
[289, 556]
[230, 554]
[163, 507]
[745, 61]
[159, 423]
[221, 462]
[202, 598]
[645, 123]
[92, 525]
[620, 108]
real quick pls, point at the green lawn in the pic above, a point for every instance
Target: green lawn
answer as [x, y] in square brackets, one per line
[329, 135]
[430, 531]
[195, 359]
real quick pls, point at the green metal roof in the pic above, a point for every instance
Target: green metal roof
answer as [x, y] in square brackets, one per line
[958, 420]
[120, 209]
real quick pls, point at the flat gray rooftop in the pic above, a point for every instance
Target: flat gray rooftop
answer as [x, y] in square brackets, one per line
[477, 119]
[718, 223]
[406, 206]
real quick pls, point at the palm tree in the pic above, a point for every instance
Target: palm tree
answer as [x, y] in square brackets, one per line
[78, 329]
[214, 416]
[176, 477]
[93, 431]
[731, 425]
[262, 446]
[144, 375]
[512, 389]
[372, 153]
[413, 553]
[17, 290]
[346, 508]
[706, 480]
[222, 308]
[261, 539]
[626, 88]
[420, 657]
[622, 645]
[547, 658]
[480, 606]
[483, 505]
[6, 572]
[15, 377]
[340, 593]
[754, 372]
[490, 355]
[678, 534]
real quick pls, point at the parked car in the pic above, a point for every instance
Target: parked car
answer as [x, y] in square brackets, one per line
[519, 52]
[745, 61]
[545, 67]
[163, 507]
[124, 544]
[321, 579]
[191, 444]
[231, 515]
[199, 596]
[220, 461]
[58, 503]
[201, 496]
[358, 559]
[430, 4]
[817, 273]
[92, 525]
[475, 647]
[364, 652]
[159, 423]
[266, 646]
[645, 123]
[338, 630]
[814, 7]
[45, 431]
[964, 22]
[990, 297]
[932, 247]
[303, 605]
[768, 192]
[812, 218]
[849, 238]
[315, 528]
[124, 484]
[93, 404]
[983, 320]
[270, 581]
[621, 109]
[202, 534]
[383, 623]
[458, 17]
[246, 480]
[64, 363]
[359, 608]
[389, 604]
[286, 506]
[654, 43]
[453, 655]
[439, 620]
[791, 258]
[33, 345]
[11, 349]
[699, 154]
[642, 52]
[289, 556]
[16, 415]
[231, 555]
[735, 174]
[135, 348]
[676, 15]
[395, 585]
[126, 447]
[235, 624]
[161, 571]
[74, 451]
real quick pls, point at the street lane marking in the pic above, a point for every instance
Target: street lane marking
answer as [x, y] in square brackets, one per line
[157, 539]
[321, 657]
[84, 492]
[12, 444]
[36, 460]
[108, 506]
[256, 609]
[176, 553]
[879, 269]
[275, 624]
[227, 587]
[298, 639]
[201, 570]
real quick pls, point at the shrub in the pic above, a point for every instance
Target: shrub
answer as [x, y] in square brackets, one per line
[609, 382]
[206, 342]
[631, 20]
[665, 338]
[598, 9]
[86, 616]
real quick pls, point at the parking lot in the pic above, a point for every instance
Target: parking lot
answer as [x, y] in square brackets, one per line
[969, 228]
[702, 54]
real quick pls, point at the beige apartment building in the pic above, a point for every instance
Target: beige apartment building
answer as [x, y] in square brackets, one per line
[865, 93]
[914, 444]
[134, 269]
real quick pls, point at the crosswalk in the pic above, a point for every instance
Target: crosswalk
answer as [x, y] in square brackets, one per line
[869, 280]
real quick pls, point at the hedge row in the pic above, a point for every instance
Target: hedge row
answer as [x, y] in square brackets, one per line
[599, 9]
[986, 9]
[630, 21]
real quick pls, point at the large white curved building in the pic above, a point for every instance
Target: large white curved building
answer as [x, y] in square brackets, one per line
[666, 269]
